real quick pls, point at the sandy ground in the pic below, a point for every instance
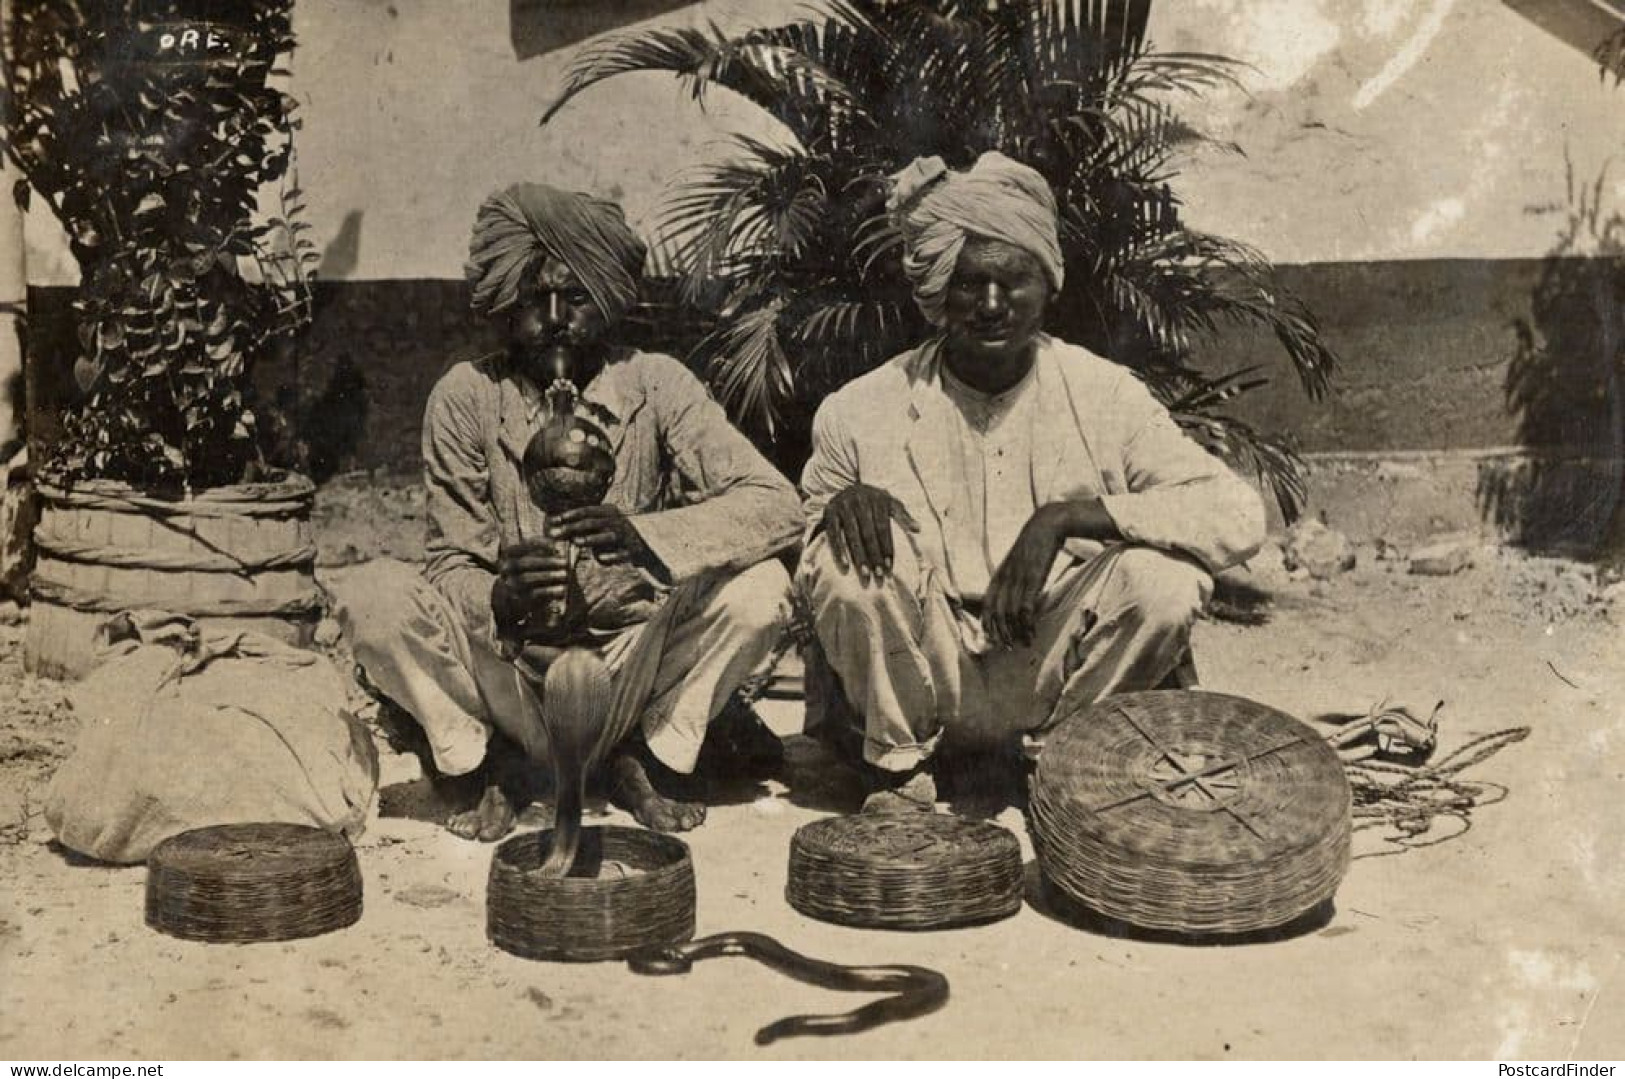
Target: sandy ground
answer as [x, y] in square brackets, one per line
[1506, 941]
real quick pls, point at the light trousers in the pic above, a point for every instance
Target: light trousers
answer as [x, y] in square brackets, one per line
[914, 666]
[672, 674]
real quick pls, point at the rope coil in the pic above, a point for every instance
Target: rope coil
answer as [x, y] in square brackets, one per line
[1408, 800]
[291, 497]
[100, 554]
[97, 601]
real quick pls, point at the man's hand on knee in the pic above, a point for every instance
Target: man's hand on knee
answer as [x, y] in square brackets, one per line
[858, 522]
[1010, 614]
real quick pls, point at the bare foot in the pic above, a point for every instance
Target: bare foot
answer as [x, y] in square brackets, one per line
[914, 791]
[487, 822]
[633, 790]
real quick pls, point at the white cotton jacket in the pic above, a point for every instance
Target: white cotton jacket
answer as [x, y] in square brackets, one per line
[1100, 434]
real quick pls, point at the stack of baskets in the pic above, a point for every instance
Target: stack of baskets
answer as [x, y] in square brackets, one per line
[1191, 812]
[904, 871]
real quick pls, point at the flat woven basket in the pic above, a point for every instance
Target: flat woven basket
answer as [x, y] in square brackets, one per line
[628, 890]
[1191, 812]
[904, 871]
[235, 883]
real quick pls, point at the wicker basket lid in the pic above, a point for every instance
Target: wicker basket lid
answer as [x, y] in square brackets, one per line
[1192, 812]
[252, 882]
[904, 871]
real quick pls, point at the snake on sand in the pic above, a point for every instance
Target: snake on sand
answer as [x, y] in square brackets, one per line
[577, 694]
[915, 991]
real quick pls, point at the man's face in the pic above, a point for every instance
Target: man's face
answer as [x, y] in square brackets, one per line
[995, 303]
[556, 330]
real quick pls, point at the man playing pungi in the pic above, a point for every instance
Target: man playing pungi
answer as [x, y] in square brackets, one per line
[684, 600]
[1001, 526]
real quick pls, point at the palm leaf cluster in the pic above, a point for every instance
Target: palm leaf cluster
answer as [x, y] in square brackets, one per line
[784, 242]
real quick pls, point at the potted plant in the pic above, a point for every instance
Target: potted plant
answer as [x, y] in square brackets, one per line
[152, 128]
[785, 244]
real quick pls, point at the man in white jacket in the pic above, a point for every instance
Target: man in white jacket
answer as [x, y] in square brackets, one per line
[1001, 526]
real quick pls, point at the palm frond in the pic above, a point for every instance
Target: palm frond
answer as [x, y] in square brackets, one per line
[838, 53]
[1189, 73]
[1198, 281]
[682, 51]
[770, 73]
[1086, 42]
[836, 322]
[765, 201]
[843, 338]
[1610, 57]
[870, 329]
[1251, 452]
[748, 368]
[1139, 290]
[786, 250]
[1132, 145]
[877, 242]
[1209, 393]
[1245, 302]
[1239, 286]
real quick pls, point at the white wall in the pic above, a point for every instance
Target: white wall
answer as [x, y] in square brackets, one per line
[1393, 129]
[1374, 129]
[415, 110]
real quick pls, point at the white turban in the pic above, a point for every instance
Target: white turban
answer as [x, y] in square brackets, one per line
[997, 198]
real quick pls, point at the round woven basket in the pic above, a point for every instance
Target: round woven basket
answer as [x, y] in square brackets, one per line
[904, 871]
[1191, 812]
[235, 883]
[629, 890]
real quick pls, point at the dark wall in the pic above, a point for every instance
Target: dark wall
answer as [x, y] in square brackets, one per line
[1426, 348]
[351, 395]
[1452, 354]
[537, 27]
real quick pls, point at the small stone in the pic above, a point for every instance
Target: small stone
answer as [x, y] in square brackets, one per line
[1322, 551]
[1442, 559]
[1613, 603]
[427, 895]
[327, 633]
[1368, 555]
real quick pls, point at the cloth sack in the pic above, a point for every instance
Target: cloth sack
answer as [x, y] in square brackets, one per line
[185, 727]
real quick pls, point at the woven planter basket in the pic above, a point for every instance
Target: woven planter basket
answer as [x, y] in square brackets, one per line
[238, 558]
[904, 871]
[629, 890]
[1191, 812]
[236, 883]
